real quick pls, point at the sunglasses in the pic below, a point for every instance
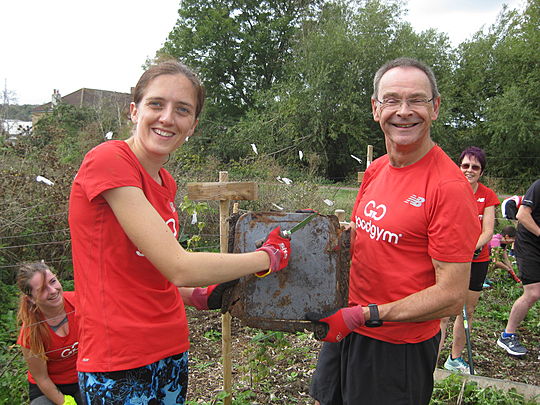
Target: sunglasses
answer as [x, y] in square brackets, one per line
[465, 166]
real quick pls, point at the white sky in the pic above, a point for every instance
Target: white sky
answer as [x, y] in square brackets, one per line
[102, 44]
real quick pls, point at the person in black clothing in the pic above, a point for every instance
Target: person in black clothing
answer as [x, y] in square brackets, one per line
[527, 250]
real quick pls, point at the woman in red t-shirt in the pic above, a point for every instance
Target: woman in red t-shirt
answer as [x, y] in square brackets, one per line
[132, 276]
[472, 162]
[48, 336]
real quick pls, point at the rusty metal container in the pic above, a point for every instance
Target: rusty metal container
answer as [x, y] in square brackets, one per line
[316, 278]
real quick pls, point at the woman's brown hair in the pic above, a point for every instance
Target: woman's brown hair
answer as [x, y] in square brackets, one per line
[35, 331]
[170, 67]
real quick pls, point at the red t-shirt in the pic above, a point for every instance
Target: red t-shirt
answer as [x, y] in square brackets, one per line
[485, 197]
[405, 217]
[61, 351]
[131, 315]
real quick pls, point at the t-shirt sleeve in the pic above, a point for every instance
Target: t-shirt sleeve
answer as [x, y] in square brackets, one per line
[491, 198]
[532, 196]
[358, 198]
[22, 340]
[107, 168]
[365, 181]
[453, 228]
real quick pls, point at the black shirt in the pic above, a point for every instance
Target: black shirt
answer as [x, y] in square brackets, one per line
[527, 246]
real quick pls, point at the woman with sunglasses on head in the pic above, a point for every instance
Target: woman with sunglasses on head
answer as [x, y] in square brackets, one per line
[132, 276]
[472, 162]
[48, 336]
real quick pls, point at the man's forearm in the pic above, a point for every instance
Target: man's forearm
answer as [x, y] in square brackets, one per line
[445, 298]
[425, 305]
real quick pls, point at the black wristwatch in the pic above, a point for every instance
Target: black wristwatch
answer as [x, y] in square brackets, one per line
[374, 320]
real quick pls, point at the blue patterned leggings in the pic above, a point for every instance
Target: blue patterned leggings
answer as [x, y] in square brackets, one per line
[163, 382]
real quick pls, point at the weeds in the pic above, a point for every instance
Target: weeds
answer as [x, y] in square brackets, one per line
[455, 390]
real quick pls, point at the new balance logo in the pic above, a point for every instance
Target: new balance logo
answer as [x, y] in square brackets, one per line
[415, 201]
[481, 199]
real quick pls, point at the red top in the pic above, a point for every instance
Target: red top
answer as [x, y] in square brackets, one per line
[405, 217]
[61, 351]
[131, 315]
[485, 197]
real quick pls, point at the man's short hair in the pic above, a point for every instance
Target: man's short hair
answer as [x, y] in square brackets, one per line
[405, 62]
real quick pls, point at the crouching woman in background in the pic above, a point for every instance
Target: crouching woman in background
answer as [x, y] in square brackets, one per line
[48, 336]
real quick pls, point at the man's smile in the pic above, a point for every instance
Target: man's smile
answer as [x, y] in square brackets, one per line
[405, 125]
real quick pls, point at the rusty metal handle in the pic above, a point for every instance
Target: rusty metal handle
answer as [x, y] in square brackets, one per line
[283, 234]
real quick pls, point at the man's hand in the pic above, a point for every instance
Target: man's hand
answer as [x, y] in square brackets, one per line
[277, 247]
[211, 296]
[337, 324]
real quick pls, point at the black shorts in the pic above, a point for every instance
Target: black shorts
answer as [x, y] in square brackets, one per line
[360, 370]
[66, 389]
[478, 275]
[529, 271]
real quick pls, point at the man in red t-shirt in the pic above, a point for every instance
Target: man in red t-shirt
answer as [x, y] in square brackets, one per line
[408, 270]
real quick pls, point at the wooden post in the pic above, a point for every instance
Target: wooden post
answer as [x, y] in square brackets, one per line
[226, 338]
[369, 159]
[224, 192]
[340, 214]
[369, 155]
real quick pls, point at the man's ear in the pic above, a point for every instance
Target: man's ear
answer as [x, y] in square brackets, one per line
[375, 110]
[436, 105]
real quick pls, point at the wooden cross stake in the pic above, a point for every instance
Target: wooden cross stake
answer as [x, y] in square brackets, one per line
[224, 192]
[369, 159]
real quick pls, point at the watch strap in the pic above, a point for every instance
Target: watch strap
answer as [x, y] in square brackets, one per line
[374, 318]
[373, 312]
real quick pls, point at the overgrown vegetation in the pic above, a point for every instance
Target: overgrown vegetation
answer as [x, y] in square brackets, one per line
[301, 80]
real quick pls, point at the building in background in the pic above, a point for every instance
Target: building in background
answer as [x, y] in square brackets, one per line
[111, 103]
[11, 130]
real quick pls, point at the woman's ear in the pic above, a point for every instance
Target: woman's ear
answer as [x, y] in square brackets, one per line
[133, 112]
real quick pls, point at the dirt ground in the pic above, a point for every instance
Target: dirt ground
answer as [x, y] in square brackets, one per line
[279, 371]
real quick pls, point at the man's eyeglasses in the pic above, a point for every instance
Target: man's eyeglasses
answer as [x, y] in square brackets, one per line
[412, 103]
[465, 166]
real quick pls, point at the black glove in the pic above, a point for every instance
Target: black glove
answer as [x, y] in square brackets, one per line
[210, 297]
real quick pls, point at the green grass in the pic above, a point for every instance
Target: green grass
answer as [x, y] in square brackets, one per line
[455, 390]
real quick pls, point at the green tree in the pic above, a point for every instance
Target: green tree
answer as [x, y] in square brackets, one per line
[323, 104]
[237, 46]
[495, 96]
